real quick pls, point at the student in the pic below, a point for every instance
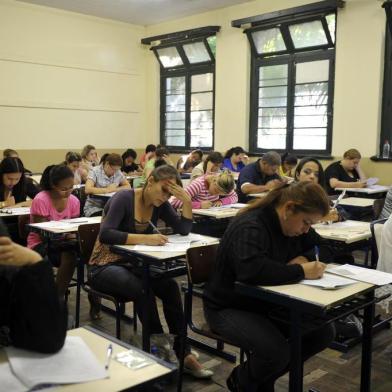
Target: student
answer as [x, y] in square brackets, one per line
[31, 315]
[210, 191]
[235, 159]
[105, 178]
[73, 160]
[127, 218]
[148, 154]
[90, 159]
[14, 187]
[9, 153]
[387, 209]
[289, 161]
[212, 164]
[193, 159]
[269, 243]
[129, 165]
[259, 176]
[345, 173]
[55, 202]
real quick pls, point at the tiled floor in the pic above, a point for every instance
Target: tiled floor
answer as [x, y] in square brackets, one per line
[329, 371]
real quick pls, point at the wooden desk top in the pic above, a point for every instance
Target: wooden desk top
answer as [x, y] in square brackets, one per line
[357, 202]
[62, 228]
[369, 191]
[120, 377]
[216, 213]
[349, 231]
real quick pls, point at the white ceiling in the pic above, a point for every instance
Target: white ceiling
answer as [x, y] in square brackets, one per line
[141, 12]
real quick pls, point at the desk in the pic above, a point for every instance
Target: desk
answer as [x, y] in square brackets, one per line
[306, 300]
[161, 260]
[216, 213]
[348, 232]
[120, 377]
[8, 212]
[132, 178]
[258, 195]
[71, 226]
[377, 191]
[357, 202]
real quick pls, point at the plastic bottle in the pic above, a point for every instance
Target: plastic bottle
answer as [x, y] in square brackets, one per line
[386, 149]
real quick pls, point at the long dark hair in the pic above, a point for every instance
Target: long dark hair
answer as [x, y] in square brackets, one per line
[307, 196]
[53, 174]
[234, 150]
[301, 164]
[214, 157]
[13, 165]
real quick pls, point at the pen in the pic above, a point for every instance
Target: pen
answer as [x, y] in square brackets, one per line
[338, 200]
[154, 227]
[316, 252]
[108, 356]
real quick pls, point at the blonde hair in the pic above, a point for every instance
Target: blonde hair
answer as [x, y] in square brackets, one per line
[352, 153]
[225, 181]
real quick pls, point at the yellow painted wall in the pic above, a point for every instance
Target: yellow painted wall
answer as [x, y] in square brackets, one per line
[358, 78]
[67, 80]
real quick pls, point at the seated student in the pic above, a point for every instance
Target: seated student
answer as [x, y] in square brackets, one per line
[161, 154]
[73, 160]
[193, 159]
[269, 243]
[9, 153]
[32, 316]
[90, 159]
[209, 191]
[289, 161]
[212, 164]
[126, 220]
[148, 154]
[105, 178]
[345, 173]
[235, 159]
[14, 186]
[129, 165]
[55, 202]
[387, 209]
[259, 176]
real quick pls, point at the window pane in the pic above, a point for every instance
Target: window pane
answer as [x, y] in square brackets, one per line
[312, 71]
[196, 52]
[308, 34]
[201, 138]
[311, 94]
[273, 120]
[169, 57]
[310, 139]
[201, 101]
[268, 41]
[175, 103]
[202, 82]
[201, 120]
[331, 21]
[175, 85]
[271, 138]
[212, 43]
[273, 75]
[310, 110]
[175, 137]
[310, 116]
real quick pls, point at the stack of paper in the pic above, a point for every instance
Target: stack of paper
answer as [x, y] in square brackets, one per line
[74, 363]
[329, 282]
[361, 274]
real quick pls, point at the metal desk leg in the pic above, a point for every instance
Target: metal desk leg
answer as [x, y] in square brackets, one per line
[296, 365]
[79, 282]
[145, 306]
[366, 363]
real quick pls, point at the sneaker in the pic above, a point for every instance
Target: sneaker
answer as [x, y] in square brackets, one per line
[199, 373]
[164, 349]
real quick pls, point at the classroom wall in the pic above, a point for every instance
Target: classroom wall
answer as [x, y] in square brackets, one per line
[358, 76]
[67, 80]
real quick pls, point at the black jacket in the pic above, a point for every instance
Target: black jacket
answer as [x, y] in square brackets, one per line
[31, 315]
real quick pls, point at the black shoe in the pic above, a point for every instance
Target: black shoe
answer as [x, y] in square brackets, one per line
[233, 383]
[95, 307]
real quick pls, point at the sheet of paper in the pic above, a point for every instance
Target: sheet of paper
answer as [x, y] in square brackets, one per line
[168, 247]
[378, 187]
[16, 210]
[184, 239]
[9, 382]
[362, 274]
[235, 205]
[74, 363]
[372, 181]
[58, 225]
[329, 281]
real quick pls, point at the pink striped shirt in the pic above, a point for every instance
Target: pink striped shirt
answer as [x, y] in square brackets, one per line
[198, 191]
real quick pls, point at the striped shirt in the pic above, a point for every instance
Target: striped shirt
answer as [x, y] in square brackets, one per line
[198, 191]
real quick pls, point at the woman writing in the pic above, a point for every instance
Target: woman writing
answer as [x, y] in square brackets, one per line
[212, 164]
[269, 243]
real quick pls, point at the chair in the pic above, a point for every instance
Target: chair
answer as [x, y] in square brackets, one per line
[200, 262]
[87, 235]
[378, 206]
[376, 230]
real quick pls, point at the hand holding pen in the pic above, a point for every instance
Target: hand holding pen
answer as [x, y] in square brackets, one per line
[155, 239]
[314, 269]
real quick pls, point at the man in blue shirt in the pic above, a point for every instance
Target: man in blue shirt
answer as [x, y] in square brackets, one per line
[259, 176]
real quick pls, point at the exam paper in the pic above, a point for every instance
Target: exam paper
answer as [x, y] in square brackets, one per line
[362, 274]
[328, 281]
[184, 239]
[16, 210]
[74, 363]
[371, 181]
[168, 247]
[9, 382]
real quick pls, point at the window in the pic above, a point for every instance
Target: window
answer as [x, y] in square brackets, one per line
[292, 79]
[187, 62]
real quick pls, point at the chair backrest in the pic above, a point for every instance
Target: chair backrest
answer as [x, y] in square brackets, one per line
[378, 205]
[376, 230]
[87, 236]
[23, 221]
[201, 262]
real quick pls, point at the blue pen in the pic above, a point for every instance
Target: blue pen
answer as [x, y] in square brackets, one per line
[317, 253]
